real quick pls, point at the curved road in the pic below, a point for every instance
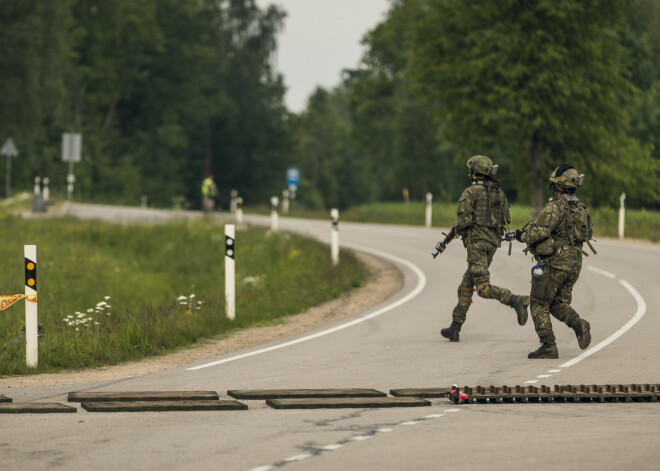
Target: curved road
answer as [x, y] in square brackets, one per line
[394, 345]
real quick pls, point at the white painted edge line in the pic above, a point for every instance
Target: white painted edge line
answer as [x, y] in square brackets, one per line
[554, 371]
[602, 272]
[386, 430]
[452, 410]
[531, 381]
[332, 447]
[410, 422]
[359, 438]
[263, 468]
[543, 376]
[641, 310]
[433, 416]
[421, 283]
[304, 456]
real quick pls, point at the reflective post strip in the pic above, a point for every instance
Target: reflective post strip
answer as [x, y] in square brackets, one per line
[230, 271]
[429, 200]
[334, 236]
[31, 323]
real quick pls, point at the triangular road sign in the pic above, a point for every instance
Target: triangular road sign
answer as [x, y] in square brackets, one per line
[9, 149]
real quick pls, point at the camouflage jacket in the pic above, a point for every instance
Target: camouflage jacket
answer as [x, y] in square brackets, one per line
[482, 213]
[553, 225]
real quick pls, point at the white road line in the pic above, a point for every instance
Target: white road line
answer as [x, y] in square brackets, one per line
[641, 310]
[421, 283]
[304, 456]
[263, 468]
[331, 447]
[531, 381]
[452, 410]
[434, 416]
[359, 438]
[554, 371]
[602, 272]
[543, 376]
[410, 422]
[386, 430]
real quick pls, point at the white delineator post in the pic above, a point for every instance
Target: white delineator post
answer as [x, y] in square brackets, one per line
[46, 190]
[230, 271]
[274, 202]
[622, 214]
[239, 211]
[334, 236]
[429, 201]
[31, 322]
[285, 201]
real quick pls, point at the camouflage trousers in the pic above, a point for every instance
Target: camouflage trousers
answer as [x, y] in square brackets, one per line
[479, 257]
[557, 303]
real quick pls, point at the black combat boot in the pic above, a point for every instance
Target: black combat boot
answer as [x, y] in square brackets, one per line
[520, 303]
[452, 331]
[583, 333]
[547, 350]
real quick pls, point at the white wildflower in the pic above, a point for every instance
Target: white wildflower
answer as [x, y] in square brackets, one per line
[181, 298]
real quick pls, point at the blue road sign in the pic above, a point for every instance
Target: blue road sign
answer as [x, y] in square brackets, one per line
[292, 177]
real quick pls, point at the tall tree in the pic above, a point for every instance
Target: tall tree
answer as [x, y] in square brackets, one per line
[542, 80]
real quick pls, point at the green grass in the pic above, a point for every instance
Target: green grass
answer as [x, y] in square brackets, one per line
[143, 270]
[639, 224]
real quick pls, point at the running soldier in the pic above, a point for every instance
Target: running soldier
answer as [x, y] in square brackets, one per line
[555, 239]
[482, 214]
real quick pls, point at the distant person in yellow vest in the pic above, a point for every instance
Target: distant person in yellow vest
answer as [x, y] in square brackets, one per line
[209, 193]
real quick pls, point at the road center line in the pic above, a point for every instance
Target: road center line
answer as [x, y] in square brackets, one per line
[641, 310]
[421, 283]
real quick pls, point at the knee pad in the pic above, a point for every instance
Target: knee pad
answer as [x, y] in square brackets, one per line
[483, 289]
[465, 294]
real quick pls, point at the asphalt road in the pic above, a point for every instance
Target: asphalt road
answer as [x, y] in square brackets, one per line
[394, 345]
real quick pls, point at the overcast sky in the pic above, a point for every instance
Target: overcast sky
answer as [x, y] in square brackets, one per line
[320, 38]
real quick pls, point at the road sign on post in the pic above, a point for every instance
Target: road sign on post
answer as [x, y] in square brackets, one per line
[292, 180]
[71, 152]
[9, 150]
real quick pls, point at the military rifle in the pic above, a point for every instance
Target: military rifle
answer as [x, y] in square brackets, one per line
[442, 245]
[508, 237]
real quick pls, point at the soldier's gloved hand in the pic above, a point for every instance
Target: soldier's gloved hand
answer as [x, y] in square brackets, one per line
[519, 235]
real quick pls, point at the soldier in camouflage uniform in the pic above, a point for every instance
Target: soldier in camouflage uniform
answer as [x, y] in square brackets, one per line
[482, 214]
[555, 239]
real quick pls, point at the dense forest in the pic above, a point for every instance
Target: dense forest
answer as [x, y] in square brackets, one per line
[166, 90]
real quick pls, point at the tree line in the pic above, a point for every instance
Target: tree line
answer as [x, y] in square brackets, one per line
[164, 91]
[531, 83]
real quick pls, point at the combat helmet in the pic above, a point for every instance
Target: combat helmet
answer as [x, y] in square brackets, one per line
[566, 176]
[482, 165]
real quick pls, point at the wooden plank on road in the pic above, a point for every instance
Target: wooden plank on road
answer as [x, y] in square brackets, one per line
[302, 393]
[34, 408]
[119, 396]
[162, 406]
[347, 402]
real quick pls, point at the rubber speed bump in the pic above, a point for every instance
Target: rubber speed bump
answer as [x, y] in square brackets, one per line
[302, 393]
[4, 399]
[347, 402]
[420, 392]
[34, 408]
[162, 406]
[124, 396]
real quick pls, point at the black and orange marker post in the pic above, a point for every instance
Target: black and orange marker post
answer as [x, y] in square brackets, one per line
[31, 323]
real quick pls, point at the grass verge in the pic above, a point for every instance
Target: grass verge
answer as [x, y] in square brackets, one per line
[111, 293]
